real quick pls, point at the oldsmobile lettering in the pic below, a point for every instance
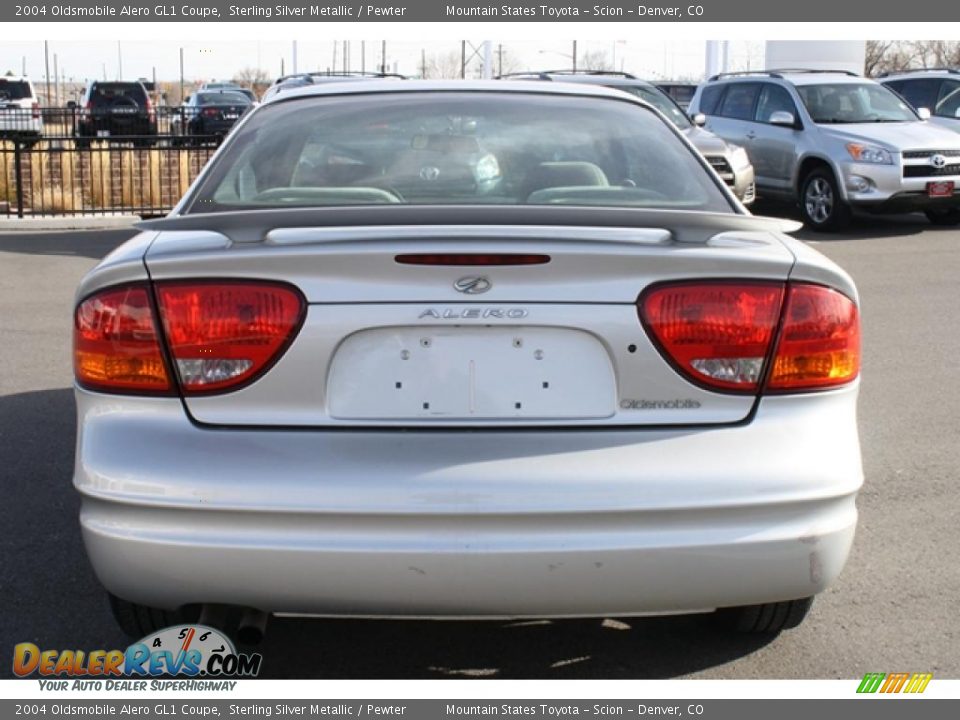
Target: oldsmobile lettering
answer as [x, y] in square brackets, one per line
[474, 313]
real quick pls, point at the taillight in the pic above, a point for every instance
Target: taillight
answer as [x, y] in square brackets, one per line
[210, 112]
[225, 334]
[819, 345]
[36, 110]
[717, 333]
[721, 334]
[115, 343]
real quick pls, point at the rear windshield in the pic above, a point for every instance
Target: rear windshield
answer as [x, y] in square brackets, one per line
[14, 89]
[854, 103]
[222, 98]
[111, 91]
[457, 148]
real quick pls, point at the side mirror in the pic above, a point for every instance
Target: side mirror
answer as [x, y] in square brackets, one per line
[782, 118]
[924, 113]
[71, 105]
[699, 119]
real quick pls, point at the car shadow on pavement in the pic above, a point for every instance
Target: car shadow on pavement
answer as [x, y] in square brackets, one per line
[76, 243]
[863, 226]
[51, 597]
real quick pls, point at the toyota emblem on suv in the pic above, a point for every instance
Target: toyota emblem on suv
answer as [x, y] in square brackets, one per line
[472, 285]
[938, 161]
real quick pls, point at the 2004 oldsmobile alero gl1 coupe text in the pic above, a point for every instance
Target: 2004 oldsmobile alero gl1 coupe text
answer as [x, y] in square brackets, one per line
[463, 350]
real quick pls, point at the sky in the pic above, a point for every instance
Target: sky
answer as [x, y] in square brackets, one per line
[79, 61]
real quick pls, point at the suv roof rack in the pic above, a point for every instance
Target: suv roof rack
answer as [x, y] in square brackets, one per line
[780, 72]
[338, 73]
[950, 70]
[545, 74]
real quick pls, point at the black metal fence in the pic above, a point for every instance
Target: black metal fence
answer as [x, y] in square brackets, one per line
[66, 161]
[132, 175]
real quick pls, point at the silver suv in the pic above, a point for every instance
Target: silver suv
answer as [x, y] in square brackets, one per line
[731, 162]
[834, 140]
[934, 90]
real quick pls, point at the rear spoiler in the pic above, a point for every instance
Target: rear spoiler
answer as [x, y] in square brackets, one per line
[253, 226]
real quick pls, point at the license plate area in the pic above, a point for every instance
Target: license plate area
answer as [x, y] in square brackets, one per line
[940, 188]
[462, 373]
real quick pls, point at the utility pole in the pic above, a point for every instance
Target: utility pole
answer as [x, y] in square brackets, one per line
[23, 65]
[56, 82]
[383, 56]
[181, 77]
[119, 62]
[46, 61]
[363, 56]
[423, 63]
[500, 59]
[487, 59]
[294, 57]
[574, 56]
[346, 61]
[463, 59]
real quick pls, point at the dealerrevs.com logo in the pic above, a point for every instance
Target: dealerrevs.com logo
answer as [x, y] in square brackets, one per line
[192, 651]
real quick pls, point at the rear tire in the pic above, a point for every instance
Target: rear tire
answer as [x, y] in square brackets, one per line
[947, 217]
[768, 618]
[821, 204]
[138, 621]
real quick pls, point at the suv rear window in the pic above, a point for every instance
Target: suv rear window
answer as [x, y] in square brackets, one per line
[457, 148]
[14, 89]
[113, 91]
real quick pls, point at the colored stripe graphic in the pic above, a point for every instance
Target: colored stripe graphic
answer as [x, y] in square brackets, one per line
[894, 682]
[871, 682]
[918, 682]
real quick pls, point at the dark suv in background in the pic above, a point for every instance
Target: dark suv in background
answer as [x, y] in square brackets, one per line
[116, 110]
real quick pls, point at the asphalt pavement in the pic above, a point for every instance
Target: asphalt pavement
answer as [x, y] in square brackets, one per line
[893, 609]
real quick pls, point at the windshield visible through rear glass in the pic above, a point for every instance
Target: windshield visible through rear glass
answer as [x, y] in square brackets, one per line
[843, 103]
[457, 148]
[661, 101]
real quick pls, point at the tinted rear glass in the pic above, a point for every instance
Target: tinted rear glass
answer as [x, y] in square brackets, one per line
[710, 98]
[14, 89]
[222, 98]
[457, 148]
[112, 91]
[739, 101]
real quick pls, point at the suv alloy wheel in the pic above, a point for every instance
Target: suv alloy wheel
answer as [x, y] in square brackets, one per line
[820, 203]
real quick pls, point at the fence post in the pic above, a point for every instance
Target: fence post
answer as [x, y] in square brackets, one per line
[18, 175]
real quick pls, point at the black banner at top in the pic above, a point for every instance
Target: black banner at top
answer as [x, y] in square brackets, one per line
[479, 11]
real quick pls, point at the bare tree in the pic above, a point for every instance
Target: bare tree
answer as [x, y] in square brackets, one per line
[254, 78]
[595, 60]
[896, 55]
[445, 66]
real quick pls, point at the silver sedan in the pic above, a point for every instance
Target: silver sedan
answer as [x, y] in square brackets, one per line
[465, 350]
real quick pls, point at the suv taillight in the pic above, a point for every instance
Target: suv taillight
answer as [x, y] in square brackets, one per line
[721, 334]
[220, 335]
[36, 110]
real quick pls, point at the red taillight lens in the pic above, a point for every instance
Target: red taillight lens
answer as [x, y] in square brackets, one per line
[210, 112]
[819, 345]
[718, 333]
[115, 344]
[36, 110]
[225, 334]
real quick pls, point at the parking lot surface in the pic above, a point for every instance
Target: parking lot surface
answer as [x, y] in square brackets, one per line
[894, 608]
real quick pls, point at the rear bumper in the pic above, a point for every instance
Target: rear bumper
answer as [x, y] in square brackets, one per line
[484, 524]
